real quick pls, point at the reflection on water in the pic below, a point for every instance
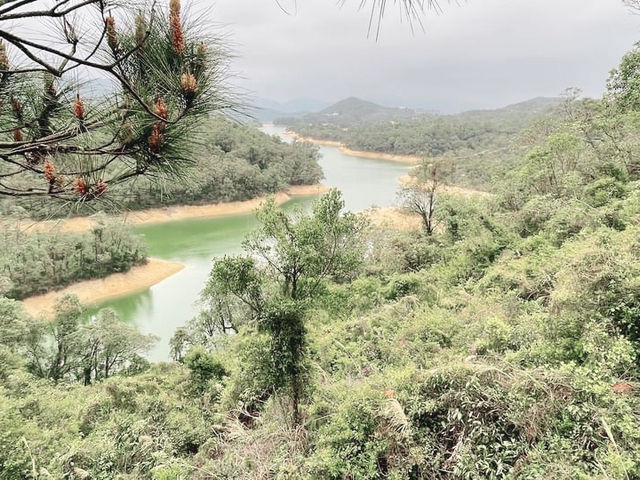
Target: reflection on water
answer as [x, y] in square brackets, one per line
[195, 243]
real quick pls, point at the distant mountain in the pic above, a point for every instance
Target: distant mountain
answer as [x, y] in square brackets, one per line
[354, 105]
[353, 111]
[535, 105]
[538, 104]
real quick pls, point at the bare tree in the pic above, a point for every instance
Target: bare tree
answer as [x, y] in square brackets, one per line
[419, 195]
[56, 139]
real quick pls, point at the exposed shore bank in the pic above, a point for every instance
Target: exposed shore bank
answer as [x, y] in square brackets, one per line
[141, 277]
[91, 292]
[407, 159]
[393, 218]
[449, 189]
[397, 219]
[170, 213]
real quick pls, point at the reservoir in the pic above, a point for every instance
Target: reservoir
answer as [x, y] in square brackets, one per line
[159, 310]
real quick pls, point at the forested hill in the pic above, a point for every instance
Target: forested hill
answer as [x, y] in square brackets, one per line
[234, 162]
[351, 112]
[479, 141]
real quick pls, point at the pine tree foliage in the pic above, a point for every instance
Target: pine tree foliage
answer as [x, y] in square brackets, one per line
[167, 75]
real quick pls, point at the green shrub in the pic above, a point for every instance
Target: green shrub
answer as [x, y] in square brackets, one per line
[204, 367]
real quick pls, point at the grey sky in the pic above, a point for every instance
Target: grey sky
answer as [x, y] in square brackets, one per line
[482, 53]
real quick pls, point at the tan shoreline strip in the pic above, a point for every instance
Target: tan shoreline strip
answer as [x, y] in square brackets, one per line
[393, 218]
[449, 189]
[390, 157]
[91, 292]
[172, 213]
[141, 277]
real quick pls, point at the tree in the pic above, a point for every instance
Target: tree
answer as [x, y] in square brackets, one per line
[222, 314]
[57, 141]
[71, 348]
[624, 82]
[108, 346]
[14, 325]
[52, 347]
[203, 367]
[419, 196]
[291, 257]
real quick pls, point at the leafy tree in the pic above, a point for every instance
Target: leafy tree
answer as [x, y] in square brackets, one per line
[203, 367]
[296, 255]
[13, 330]
[108, 346]
[39, 262]
[624, 82]
[53, 347]
[72, 348]
[221, 314]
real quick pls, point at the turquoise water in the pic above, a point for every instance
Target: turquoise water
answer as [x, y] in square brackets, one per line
[195, 243]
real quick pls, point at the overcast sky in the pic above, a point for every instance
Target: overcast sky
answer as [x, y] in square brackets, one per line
[481, 53]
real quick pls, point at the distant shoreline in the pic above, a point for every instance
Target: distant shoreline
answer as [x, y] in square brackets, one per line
[155, 270]
[91, 292]
[406, 159]
[449, 189]
[172, 213]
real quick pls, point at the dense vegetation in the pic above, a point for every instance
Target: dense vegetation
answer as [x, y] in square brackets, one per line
[349, 113]
[481, 143]
[236, 163]
[33, 263]
[233, 162]
[503, 343]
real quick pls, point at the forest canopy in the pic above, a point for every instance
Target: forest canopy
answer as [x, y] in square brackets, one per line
[501, 341]
[233, 162]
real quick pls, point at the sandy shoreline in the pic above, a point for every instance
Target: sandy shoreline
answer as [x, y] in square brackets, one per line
[449, 189]
[407, 159]
[393, 218]
[141, 277]
[91, 292]
[171, 213]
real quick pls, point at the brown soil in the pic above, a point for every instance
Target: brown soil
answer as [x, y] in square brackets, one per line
[90, 292]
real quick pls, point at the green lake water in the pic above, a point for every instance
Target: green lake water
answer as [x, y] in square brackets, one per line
[195, 243]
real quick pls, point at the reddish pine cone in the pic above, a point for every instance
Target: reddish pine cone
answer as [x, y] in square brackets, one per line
[80, 187]
[49, 172]
[155, 140]
[17, 135]
[188, 84]
[112, 36]
[160, 108]
[177, 37]
[78, 108]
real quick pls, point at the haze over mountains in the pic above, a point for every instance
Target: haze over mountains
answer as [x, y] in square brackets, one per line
[354, 111]
[267, 110]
